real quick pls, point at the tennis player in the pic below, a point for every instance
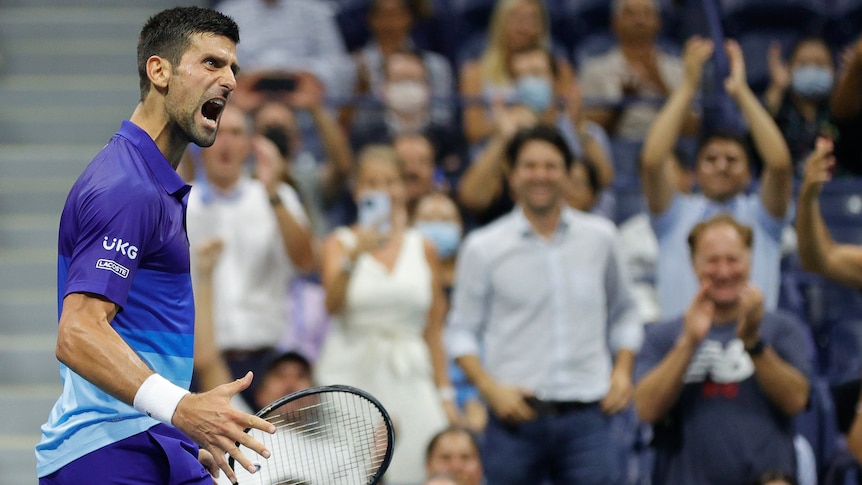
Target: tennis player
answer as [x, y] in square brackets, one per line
[126, 331]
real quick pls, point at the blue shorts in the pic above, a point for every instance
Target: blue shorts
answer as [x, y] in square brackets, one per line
[161, 455]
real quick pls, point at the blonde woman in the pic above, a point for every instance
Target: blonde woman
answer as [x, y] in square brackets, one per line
[384, 291]
[515, 25]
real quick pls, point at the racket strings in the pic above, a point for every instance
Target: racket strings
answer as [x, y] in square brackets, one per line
[329, 438]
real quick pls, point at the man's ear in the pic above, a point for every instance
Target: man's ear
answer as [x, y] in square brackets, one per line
[159, 71]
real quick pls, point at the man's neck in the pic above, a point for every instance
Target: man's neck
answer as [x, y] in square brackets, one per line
[545, 223]
[151, 117]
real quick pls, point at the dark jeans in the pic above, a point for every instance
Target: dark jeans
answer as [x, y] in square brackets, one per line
[569, 448]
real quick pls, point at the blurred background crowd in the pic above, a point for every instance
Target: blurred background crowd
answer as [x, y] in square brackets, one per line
[367, 138]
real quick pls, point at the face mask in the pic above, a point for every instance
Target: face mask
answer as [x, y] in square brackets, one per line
[813, 82]
[535, 93]
[444, 234]
[407, 96]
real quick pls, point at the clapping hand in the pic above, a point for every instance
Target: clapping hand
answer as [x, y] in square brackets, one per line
[750, 315]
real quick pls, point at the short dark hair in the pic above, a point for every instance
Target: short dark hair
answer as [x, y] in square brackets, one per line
[447, 431]
[292, 357]
[745, 232]
[540, 132]
[168, 34]
[723, 134]
[552, 61]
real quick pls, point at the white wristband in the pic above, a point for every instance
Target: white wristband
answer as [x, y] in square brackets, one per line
[158, 398]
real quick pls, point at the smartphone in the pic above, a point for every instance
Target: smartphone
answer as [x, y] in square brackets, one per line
[375, 211]
[276, 83]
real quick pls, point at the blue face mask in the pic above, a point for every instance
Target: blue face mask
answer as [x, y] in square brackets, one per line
[812, 82]
[444, 234]
[535, 93]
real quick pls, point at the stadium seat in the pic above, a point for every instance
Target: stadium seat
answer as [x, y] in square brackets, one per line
[578, 19]
[841, 202]
[803, 16]
[755, 48]
[844, 18]
[629, 201]
[626, 157]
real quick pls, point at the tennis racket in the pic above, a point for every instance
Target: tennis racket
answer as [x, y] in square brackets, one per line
[330, 435]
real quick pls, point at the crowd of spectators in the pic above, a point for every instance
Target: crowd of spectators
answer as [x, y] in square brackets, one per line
[620, 174]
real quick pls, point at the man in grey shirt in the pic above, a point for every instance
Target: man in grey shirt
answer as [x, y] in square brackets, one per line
[542, 295]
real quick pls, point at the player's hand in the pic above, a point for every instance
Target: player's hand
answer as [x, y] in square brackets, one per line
[509, 403]
[620, 394]
[818, 167]
[751, 314]
[698, 318]
[208, 461]
[209, 419]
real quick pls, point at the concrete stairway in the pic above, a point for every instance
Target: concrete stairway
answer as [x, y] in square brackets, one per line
[67, 79]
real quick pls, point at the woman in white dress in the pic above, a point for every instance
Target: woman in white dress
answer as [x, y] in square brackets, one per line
[383, 289]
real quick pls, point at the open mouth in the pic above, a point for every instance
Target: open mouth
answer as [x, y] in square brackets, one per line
[212, 109]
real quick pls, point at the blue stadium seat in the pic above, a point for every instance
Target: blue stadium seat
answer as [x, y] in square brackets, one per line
[841, 202]
[845, 17]
[626, 158]
[578, 19]
[352, 20]
[629, 201]
[803, 16]
[818, 424]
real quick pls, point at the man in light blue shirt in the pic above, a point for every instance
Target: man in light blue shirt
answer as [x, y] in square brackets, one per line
[542, 295]
[723, 175]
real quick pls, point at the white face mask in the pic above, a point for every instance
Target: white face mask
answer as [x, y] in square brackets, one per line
[406, 97]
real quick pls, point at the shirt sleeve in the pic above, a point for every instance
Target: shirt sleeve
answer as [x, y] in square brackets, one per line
[469, 302]
[115, 226]
[626, 327]
[291, 202]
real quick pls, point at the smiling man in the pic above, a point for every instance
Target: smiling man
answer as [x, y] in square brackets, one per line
[543, 292]
[722, 383]
[126, 327]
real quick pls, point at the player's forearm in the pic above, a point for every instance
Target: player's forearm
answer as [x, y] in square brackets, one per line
[660, 388]
[88, 345]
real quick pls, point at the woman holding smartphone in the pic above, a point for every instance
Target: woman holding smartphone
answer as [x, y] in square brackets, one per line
[384, 291]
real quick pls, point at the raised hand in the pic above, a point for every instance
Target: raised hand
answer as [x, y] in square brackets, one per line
[779, 73]
[750, 315]
[736, 82]
[695, 54]
[269, 166]
[818, 167]
[209, 419]
[698, 318]
[208, 253]
[308, 94]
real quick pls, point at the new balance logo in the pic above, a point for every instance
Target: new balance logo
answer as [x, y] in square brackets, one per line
[117, 268]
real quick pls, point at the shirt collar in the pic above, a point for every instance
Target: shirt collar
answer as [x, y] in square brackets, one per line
[169, 179]
[525, 229]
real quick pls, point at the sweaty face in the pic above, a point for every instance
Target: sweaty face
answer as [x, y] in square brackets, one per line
[455, 455]
[538, 177]
[722, 169]
[722, 259]
[200, 85]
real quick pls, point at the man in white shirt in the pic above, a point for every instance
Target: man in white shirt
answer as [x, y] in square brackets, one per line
[543, 296]
[266, 240]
